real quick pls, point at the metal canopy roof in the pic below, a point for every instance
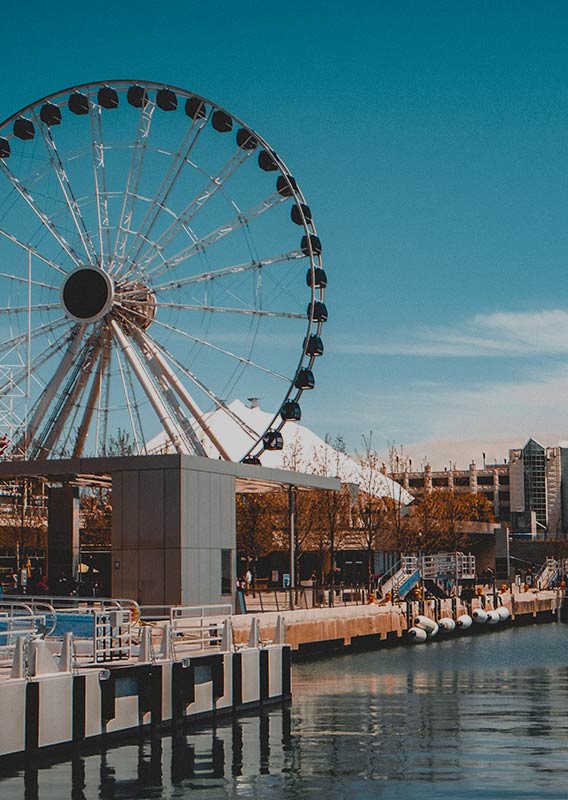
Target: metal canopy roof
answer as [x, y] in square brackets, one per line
[98, 471]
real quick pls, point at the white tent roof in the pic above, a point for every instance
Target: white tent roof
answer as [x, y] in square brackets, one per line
[303, 451]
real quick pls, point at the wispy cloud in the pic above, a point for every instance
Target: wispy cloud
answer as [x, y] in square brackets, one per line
[442, 422]
[503, 333]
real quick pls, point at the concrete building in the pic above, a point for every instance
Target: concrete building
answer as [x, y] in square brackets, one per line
[491, 480]
[538, 503]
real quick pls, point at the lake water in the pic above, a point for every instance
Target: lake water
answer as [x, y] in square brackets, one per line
[474, 717]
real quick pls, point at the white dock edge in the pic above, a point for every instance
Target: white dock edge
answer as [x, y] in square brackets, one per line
[64, 708]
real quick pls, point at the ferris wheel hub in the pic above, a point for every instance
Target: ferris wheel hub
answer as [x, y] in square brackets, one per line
[87, 294]
[136, 303]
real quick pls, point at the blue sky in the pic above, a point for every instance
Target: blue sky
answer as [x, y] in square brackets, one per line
[431, 140]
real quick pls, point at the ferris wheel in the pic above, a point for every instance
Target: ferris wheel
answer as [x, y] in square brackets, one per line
[156, 258]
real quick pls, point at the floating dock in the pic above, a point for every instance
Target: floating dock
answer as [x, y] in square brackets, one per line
[57, 691]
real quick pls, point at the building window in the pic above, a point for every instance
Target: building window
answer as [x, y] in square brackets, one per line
[226, 571]
[534, 468]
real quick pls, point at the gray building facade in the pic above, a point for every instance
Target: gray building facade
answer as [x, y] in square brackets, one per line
[538, 490]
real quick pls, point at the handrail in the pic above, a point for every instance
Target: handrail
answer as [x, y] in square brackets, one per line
[198, 626]
[22, 619]
[390, 572]
[33, 611]
[546, 573]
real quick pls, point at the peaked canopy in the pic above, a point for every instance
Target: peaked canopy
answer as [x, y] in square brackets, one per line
[303, 451]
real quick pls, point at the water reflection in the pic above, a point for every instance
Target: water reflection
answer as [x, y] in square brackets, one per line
[470, 718]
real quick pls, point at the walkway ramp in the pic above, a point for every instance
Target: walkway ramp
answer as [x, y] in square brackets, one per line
[547, 574]
[404, 578]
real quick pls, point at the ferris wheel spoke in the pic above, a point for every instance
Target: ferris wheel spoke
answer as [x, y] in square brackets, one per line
[103, 406]
[255, 312]
[48, 394]
[31, 250]
[174, 433]
[99, 172]
[177, 164]
[220, 404]
[211, 238]
[218, 349]
[235, 269]
[182, 220]
[10, 344]
[70, 396]
[25, 194]
[169, 388]
[19, 279]
[138, 416]
[132, 183]
[92, 400]
[67, 191]
[144, 340]
[127, 397]
[27, 309]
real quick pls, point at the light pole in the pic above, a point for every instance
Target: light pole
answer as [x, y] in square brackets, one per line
[292, 536]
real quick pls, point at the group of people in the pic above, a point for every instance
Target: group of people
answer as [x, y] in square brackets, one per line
[26, 580]
[244, 583]
[31, 581]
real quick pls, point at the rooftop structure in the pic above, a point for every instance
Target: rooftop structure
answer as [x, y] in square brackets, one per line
[491, 480]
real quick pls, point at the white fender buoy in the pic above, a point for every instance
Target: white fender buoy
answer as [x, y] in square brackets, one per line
[504, 613]
[464, 622]
[446, 624]
[417, 635]
[493, 617]
[479, 615]
[431, 633]
[425, 623]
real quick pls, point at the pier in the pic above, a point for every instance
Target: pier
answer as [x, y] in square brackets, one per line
[72, 673]
[353, 627]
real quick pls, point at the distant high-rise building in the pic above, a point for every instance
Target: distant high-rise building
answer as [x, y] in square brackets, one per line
[536, 489]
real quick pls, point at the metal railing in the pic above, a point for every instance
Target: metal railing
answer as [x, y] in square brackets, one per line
[23, 619]
[103, 625]
[410, 569]
[455, 565]
[198, 627]
[112, 635]
[398, 575]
